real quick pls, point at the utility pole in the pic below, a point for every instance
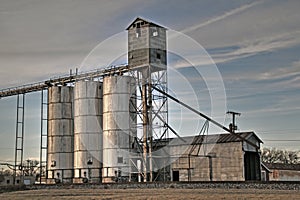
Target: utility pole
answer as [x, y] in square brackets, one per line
[232, 125]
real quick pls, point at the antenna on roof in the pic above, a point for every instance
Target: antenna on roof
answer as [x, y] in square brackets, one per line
[232, 125]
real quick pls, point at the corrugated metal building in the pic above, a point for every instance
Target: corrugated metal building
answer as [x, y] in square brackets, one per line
[219, 157]
[281, 172]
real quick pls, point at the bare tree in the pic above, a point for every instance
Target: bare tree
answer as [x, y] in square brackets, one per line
[30, 167]
[274, 155]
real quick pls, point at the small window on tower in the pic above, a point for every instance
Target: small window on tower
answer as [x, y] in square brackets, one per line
[154, 32]
[138, 30]
[131, 55]
[120, 159]
[158, 56]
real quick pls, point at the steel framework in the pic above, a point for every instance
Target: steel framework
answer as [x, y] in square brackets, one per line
[43, 142]
[19, 144]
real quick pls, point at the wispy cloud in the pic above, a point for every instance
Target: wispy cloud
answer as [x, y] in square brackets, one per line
[221, 17]
[243, 49]
[257, 46]
[282, 72]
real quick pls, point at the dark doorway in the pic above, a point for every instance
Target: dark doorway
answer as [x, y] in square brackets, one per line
[252, 166]
[175, 175]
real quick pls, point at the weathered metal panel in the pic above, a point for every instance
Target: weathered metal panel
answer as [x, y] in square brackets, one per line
[60, 127]
[227, 162]
[88, 124]
[87, 106]
[60, 111]
[60, 144]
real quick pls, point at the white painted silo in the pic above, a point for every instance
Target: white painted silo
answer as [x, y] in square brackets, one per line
[60, 134]
[119, 129]
[87, 131]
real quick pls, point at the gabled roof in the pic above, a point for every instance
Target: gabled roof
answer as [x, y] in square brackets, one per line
[214, 138]
[228, 137]
[149, 22]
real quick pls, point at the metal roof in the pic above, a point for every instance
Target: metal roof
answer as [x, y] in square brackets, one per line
[149, 22]
[224, 138]
[207, 139]
[283, 166]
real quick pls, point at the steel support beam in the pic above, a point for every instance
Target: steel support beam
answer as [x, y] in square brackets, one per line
[205, 117]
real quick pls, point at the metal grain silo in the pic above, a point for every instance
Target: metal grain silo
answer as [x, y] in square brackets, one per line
[87, 131]
[119, 129]
[60, 134]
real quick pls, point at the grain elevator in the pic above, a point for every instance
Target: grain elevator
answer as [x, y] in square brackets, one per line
[100, 130]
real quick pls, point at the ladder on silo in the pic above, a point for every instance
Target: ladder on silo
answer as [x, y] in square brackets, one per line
[19, 136]
[44, 128]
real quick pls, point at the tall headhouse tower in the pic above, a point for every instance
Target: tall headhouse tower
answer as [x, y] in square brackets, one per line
[146, 46]
[147, 58]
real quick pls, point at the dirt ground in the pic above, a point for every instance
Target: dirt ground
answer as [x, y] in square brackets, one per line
[170, 193]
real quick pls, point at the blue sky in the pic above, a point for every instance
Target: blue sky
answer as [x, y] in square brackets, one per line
[255, 45]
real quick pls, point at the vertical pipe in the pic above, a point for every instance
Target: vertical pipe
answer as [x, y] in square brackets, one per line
[47, 134]
[189, 168]
[150, 127]
[145, 128]
[233, 123]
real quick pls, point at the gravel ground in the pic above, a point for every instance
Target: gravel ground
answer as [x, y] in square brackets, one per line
[154, 193]
[157, 190]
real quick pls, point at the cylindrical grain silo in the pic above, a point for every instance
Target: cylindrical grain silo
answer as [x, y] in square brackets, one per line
[60, 134]
[119, 129]
[87, 131]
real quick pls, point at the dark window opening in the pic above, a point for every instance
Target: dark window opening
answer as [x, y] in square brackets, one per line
[158, 56]
[18, 181]
[120, 159]
[7, 181]
[175, 175]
